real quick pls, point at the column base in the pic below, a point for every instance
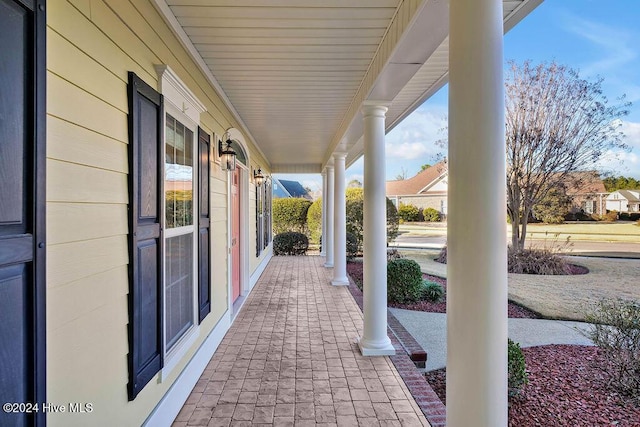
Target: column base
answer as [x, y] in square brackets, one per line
[328, 264]
[377, 349]
[323, 253]
[340, 282]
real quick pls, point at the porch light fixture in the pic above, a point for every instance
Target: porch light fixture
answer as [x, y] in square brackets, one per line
[227, 155]
[258, 177]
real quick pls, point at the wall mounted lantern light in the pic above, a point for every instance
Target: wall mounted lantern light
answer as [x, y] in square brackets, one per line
[258, 177]
[227, 155]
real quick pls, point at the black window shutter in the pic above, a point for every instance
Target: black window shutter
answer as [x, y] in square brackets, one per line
[146, 118]
[204, 265]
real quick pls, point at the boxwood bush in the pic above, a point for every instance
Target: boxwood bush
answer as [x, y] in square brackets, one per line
[431, 215]
[290, 243]
[517, 368]
[404, 281]
[408, 213]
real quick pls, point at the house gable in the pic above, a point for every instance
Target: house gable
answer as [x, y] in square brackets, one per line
[419, 183]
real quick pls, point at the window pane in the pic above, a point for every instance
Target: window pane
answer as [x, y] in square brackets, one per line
[178, 287]
[178, 182]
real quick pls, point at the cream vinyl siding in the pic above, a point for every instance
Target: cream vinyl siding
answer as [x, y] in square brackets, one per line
[91, 45]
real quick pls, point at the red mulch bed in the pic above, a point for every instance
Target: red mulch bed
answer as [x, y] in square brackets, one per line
[566, 387]
[354, 269]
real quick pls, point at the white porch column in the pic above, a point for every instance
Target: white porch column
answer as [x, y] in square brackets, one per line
[477, 254]
[374, 341]
[323, 251]
[327, 238]
[339, 223]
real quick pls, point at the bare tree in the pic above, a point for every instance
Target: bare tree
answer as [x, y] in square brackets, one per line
[354, 183]
[402, 175]
[556, 124]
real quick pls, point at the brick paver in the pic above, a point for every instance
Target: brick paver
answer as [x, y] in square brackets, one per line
[291, 358]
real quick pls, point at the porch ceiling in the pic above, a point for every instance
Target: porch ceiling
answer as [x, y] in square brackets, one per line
[297, 71]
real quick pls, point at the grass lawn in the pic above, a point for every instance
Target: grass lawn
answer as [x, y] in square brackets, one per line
[561, 297]
[594, 231]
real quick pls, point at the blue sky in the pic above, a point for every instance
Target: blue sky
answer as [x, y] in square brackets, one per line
[596, 37]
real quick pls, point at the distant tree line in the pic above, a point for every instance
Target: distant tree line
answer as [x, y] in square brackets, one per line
[614, 183]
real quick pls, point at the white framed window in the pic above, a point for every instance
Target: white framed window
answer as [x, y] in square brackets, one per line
[180, 207]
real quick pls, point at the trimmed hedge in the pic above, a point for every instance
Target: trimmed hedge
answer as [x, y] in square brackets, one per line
[355, 212]
[290, 215]
[290, 243]
[314, 221]
[352, 246]
[404, 281]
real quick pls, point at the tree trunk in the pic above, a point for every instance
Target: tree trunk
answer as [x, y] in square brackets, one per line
[515, 229]
[523, 232]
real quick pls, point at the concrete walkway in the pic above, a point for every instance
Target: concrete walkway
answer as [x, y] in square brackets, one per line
[430, 330]
[290, 358]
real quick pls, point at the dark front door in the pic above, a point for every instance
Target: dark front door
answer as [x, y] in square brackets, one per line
[22, 244]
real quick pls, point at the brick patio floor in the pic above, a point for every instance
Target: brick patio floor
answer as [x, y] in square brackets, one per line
[290, 358]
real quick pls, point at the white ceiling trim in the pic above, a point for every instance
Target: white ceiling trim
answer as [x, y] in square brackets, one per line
[169, 17]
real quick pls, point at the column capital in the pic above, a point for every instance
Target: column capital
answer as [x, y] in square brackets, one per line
[329, 168]
[340, 155]
[375, 108]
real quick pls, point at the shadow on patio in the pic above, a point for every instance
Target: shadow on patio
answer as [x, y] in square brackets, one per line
[291, 357]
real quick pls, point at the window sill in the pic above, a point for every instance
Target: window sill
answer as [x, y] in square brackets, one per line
[176, 354]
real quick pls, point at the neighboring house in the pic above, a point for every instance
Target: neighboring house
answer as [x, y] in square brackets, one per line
[587, 192]
[624, 201]
[128, 244]
[284, 188]
[427, 189]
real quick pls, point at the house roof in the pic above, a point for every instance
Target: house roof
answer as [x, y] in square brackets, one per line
[290, 189]
[577, 183]
[630, 195]
[417, 183]
[584, 182]
[295, 74]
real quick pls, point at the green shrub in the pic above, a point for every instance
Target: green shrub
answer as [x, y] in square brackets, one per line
[408, 212]
[352, 246]
[431, 215]
[629, 216]
[615, 328]
[290, 215]
[516, 368]
[290, 243]
[404, 281]
[432, 291]
[314, 221]
[355, 212]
